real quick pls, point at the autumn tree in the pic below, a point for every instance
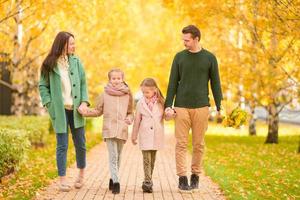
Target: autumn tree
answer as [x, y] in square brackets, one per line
[264, 64]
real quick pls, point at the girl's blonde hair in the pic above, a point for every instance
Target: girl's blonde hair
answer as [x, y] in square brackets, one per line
[115, 70]
[150, 82]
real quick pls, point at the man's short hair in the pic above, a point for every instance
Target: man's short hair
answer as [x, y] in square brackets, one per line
[193, 30]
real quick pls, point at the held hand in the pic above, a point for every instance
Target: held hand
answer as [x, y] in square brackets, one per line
[87, 112]
[133, 140]
[80, 111]
[83, 113]
[168, 109]
[82, 108]
[128, 121]
[170, 114]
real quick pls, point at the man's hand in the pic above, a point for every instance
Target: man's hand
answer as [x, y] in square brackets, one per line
[168, 109]
[169, 113]
[219, 117]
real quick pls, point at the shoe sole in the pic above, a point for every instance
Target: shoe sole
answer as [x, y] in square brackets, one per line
[195, 190]
[78, 185]
[185, 191]
[146, 190]
[64, 189]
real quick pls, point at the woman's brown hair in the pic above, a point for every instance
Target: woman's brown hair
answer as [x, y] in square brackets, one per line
[59, 43]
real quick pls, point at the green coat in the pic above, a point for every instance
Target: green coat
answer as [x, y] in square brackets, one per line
[51, 95]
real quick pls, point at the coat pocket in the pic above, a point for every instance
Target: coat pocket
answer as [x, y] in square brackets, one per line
[106, 124]
[51, 110]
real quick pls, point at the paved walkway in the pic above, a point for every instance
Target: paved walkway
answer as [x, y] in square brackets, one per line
[131, 177]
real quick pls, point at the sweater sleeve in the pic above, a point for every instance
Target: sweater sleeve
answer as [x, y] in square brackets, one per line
[173, 83]
[215, 82]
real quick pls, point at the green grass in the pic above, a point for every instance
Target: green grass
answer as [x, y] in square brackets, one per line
[39, 169]
[246, 168]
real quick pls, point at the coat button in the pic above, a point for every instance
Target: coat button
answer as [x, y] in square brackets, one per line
[71, 73]
[73, 85]
[151, 128]
[75, 97]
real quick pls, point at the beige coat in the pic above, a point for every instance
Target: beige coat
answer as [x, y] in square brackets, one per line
[149, 126]
[114, 109]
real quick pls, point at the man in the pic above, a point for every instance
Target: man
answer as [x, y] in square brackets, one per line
[191, 71]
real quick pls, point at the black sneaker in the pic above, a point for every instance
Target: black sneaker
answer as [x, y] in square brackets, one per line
[111, 183]
[194, 182]
[147, 187]
[116, 188]
[183, 185]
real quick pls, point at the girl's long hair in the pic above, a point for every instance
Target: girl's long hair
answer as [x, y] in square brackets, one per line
[150, 82]
[59, 43]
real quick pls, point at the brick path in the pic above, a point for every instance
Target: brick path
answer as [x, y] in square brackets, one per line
[131, 177]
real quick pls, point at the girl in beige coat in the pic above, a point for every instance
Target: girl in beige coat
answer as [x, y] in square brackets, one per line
[148, 125]
[115, 104]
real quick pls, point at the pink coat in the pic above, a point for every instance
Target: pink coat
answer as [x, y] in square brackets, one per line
[149, 126]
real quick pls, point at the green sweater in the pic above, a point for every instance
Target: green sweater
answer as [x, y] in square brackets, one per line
[189, 79]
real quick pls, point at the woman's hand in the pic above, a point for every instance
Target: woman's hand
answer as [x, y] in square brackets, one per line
[83, 108]
[83, 113]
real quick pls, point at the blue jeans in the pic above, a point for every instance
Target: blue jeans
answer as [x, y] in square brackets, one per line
[78, 136]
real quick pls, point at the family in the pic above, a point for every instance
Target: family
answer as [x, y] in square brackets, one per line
[63, 90]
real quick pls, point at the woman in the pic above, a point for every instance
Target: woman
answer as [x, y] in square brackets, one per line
[63, 90]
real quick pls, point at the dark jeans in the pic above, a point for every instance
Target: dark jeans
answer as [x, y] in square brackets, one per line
[78, 136]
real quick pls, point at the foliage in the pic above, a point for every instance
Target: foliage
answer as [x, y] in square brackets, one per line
[36, 128]
[13, 148]
[236, 118]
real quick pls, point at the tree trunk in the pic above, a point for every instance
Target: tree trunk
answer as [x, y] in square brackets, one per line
[252, 122]
[16, 95]
[24, 78]
[273, 122]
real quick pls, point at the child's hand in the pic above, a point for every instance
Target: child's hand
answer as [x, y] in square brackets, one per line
[82, 112]
[86, 113]
[82, 108]
[128, 121]
[170, 114]
[133, 140]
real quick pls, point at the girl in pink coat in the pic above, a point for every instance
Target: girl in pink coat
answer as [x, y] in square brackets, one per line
[149, 127]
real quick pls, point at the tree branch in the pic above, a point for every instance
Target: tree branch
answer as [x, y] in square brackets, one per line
[4, 32]
[33, 38]
[10, 86]
[253, 32]
[282, 107]
[33, 59]
[285, 50]
[12, 15]
[3, 1]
